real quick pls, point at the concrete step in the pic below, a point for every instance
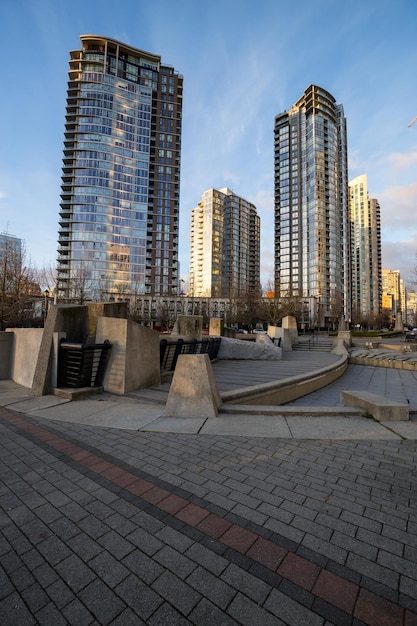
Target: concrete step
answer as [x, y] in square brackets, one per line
[314, 345]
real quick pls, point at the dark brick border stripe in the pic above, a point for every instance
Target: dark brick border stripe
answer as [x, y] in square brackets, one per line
[317, 587]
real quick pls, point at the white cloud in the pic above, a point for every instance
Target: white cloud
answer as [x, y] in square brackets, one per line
[398, 211]
[401, 255]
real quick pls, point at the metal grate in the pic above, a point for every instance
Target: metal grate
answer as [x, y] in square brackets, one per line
[81, 365]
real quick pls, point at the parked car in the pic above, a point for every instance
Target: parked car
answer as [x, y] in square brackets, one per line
[241, 331]
[259, 331]
[411, 335]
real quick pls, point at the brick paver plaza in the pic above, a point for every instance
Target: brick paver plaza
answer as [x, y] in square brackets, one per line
[111, 526]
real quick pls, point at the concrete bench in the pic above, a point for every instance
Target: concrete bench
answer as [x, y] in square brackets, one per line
[381, 408]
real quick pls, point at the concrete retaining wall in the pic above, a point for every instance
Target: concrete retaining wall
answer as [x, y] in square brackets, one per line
[288, 389]
[134, 361]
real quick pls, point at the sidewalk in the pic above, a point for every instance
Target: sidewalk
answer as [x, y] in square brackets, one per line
[285, 521]
[319, 415]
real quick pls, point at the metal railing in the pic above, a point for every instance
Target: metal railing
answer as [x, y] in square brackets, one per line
[171, 350]
[82, 365]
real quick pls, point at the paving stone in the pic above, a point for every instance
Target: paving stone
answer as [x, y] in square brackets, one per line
[144, 541]
[206, 558]
[289, 611]
[250, 514]
[375, 610]
[115, 544]
[211, 587]
[170, 559]
[21, 578]
[354, 545]
[6, 587]
[246, 583]
[285, 530]
[373, 570]
[128, 618]
[119, 523]
[50, 616]
[167, 614]
[64, 528]
[176, 592]
[93, 527]
[207, 614]
[16, 611]
[75, 573]
[85, 547]
[11, 562]
[35, 598]
[174, 538]
[60, 593]
[76, 613]
[101, 601]
[299, 571]
[397, 564]
[53, 550]
[248, 613]
[145, 568]
[139, 597]
[73, 510]
[332, 552]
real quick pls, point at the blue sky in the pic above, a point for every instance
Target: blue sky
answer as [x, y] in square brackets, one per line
[243, 63]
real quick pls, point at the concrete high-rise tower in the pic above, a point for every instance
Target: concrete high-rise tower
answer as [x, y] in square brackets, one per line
[118, 226]
[311, 206]
[225, 246]
[365, 222]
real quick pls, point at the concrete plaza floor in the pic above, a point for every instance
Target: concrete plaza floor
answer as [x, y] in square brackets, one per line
[109, 516]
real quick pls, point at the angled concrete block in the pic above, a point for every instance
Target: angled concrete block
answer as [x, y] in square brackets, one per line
[134, 357]
[193, 391]
[339, 347]
[381, 408]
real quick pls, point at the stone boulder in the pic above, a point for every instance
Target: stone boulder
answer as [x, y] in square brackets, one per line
[263, 349]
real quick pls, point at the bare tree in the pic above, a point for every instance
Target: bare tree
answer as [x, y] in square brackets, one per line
[46, 278]
[18, 287]
[251, 309]
[80, 288]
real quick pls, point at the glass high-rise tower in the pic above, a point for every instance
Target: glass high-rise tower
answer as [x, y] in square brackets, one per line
[311, 205]
[119, 215]
[365, 251]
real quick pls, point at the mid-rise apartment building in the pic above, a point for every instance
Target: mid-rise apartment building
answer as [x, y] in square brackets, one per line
[225, 246]
[394, 295]
[312, 250]
[10, 247]
[119, 215]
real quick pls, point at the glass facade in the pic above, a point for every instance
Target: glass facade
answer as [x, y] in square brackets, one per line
[225, 246]
[118, 229]
[10, 247]
[311, 204]
[365, 250]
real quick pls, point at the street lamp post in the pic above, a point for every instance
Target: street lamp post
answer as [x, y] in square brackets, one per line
[306, 312]
[45, 308]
